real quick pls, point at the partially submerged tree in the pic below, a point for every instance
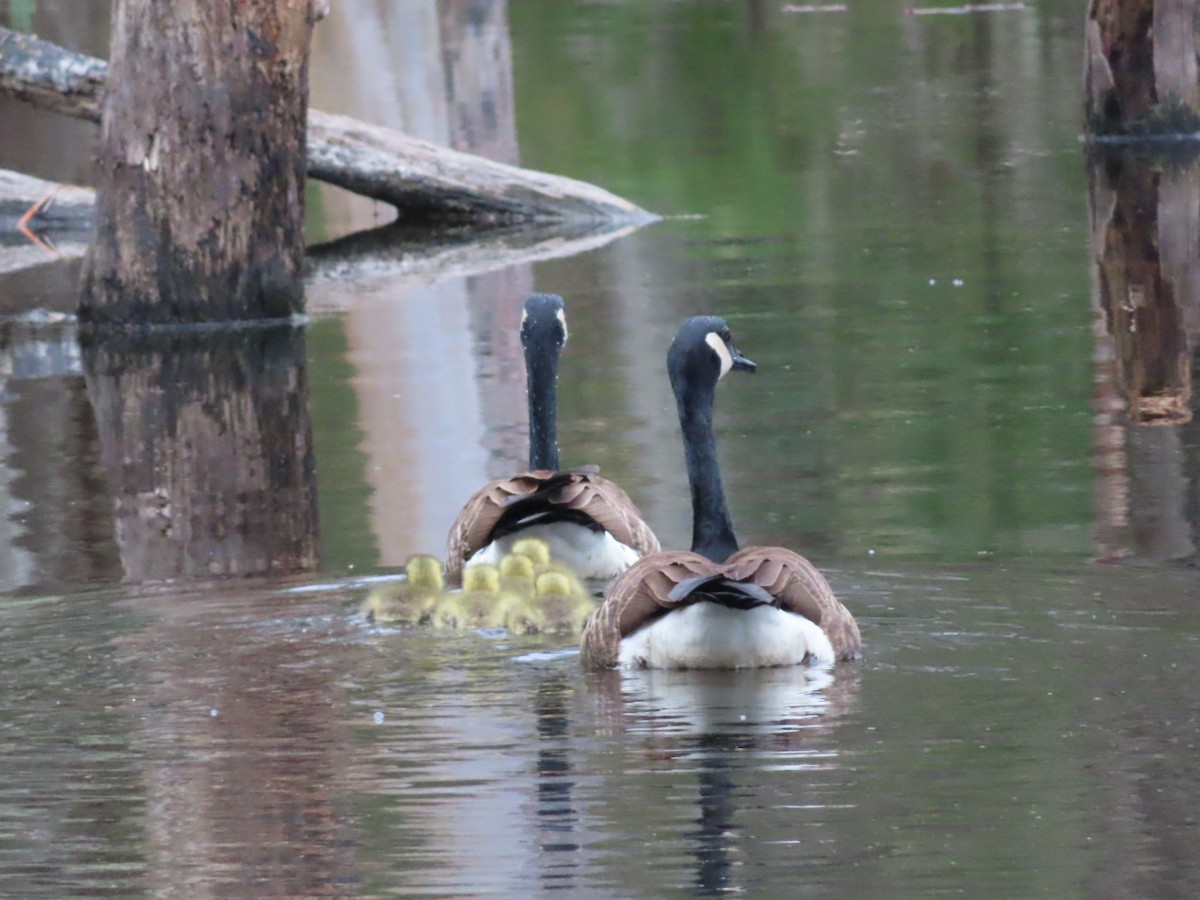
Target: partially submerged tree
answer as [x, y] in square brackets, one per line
[200, 200]
[1140, 73]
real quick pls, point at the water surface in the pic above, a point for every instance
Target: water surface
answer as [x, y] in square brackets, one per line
[893, 213]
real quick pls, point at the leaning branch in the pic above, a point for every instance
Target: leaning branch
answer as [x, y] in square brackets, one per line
[425, 182]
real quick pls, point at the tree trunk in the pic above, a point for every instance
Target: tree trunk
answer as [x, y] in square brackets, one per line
[199, 212]
[1140, 73]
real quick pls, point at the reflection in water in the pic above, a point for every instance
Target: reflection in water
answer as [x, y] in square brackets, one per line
[55, 518]
[716, 835]
[556, 815]
[438, 368]
[1146, 245]
[733, 731]
[239, 743]
[1146, 234]
[207, 444]
[766, 702]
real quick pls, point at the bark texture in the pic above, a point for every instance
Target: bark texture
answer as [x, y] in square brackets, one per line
[1140, 72]
[206, 440]
[200, 211]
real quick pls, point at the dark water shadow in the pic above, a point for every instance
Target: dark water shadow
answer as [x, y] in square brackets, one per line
[206, 443]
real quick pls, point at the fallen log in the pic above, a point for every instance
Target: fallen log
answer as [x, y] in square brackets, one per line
[62, 228]
[425, 182]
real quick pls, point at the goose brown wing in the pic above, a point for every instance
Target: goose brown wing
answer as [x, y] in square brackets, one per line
[639, 596]
[614, 511]
[473, 527]
[580, 495]
[799, 588]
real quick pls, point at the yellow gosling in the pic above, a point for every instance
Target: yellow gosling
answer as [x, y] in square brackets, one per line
[565, 603]
[534, 548]
[447, 611]
[478, 605]
[538, 551]
[560, 606]
[409, 601]
[517, 574]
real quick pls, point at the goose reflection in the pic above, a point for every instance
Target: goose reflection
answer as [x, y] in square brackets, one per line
[557, 818]
[760, 703]
[749, 737]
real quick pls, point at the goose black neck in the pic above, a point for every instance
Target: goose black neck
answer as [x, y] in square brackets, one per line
[712, 530]
[541, 367]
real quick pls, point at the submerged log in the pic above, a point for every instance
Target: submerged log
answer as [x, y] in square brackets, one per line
[423, 181]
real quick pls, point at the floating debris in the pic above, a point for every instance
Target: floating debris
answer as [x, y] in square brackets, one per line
[821, 8]
[965, 9]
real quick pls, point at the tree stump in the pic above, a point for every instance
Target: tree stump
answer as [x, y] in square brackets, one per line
[200, 210]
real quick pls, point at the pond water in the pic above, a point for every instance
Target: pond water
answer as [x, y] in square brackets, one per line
[895, 215]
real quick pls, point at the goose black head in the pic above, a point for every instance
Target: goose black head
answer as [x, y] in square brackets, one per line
[544, 324]
[703, 353]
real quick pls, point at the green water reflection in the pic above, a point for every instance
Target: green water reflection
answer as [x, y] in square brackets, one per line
[898, 242]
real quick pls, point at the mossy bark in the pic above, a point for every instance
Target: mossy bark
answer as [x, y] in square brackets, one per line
[200, 208]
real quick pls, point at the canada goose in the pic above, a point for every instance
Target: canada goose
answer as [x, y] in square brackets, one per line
[410, 601]
[590, 523]
[715, 607]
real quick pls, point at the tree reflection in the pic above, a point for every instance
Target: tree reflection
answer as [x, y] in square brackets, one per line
[1145, 225]
[207, 445]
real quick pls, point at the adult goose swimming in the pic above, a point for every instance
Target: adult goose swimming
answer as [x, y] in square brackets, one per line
[588, 522]
[715, 607]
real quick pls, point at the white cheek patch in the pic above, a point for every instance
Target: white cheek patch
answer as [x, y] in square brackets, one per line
[714, 340]
[524, 316]
[562, 320]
